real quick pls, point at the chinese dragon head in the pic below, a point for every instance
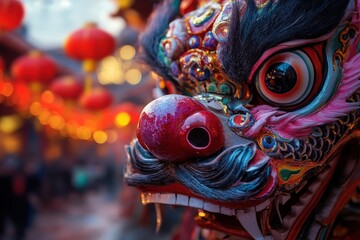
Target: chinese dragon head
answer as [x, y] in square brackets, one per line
[259, 124]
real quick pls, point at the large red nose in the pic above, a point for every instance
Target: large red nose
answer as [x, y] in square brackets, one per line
[178, 128]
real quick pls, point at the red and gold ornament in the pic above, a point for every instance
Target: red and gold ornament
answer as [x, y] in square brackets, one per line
[34, 68]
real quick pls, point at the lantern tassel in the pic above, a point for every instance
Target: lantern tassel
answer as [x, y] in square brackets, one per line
[88, 83]
[89, 65]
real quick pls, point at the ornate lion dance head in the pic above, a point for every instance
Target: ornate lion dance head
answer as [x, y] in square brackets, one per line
[262, 133]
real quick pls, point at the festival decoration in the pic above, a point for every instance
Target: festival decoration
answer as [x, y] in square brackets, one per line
[70, 120]
[265, 142]
[96, 99]
[89, 44]
[35, 68]
[11, 14]
[67, 87]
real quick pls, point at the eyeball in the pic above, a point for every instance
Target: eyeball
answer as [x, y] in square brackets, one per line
[286, 79]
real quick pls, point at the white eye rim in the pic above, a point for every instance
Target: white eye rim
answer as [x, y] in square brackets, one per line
[304, 70]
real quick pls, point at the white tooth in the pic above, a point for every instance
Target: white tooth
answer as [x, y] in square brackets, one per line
[211, 207]
[277, 207]
[196, 203]
[227, 211]
[157, 197]
[248, 220]
[263, 205]
[152, 197]
[182, 200]
[284, 199]
[268, 237]
[166, 198]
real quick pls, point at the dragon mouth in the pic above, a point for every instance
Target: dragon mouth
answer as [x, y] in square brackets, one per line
[248, 219]
[289, 211]
[238, 177]
[210, 213]
[235, 183]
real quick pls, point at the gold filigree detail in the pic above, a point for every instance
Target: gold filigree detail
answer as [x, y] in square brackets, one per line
[197, 21]
[341, 54]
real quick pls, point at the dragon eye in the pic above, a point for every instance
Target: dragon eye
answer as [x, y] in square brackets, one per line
[286, 79]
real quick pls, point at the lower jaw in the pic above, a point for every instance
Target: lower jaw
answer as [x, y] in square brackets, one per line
[230, 220]
[224, 224]
[291, 222]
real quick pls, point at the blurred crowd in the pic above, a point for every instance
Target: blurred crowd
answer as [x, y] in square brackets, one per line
[28, 185]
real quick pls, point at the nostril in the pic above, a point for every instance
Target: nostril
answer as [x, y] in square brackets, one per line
[199, 137]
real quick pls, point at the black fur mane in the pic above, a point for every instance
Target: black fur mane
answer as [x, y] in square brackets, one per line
[156, 29]
[278, 22]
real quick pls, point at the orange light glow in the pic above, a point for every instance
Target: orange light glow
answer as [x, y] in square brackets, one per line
[35, 108]
[7, 89]
[100, 137]
[122, 119]
[11, 143]
[83, 133]
[9, 124]
[47, 97]
[44, 117]
[56, 122]
[201, 214]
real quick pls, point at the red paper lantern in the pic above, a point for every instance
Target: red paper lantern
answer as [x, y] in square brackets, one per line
[34, 67]
[89, 43]
[67, 87]
[96, 99]
[11, 14]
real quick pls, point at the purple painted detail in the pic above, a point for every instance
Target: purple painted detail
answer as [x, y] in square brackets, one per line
[209, 41]
[194, 42]
[175, 68]
[202, 19]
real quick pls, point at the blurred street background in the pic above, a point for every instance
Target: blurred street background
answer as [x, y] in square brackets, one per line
[71, 92]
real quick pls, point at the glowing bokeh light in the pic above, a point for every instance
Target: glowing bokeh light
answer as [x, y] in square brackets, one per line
[127, 52]
[100, 137]
[110, 71]
[47, 97]
[7, 89]
[122, 119]
[56, 122]
[44, 117]
[11, 143]
[202, 214]
[35, 108]
[83, 133]
[11, 123]
[133, 76]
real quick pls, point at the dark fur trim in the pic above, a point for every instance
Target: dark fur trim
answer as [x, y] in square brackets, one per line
[156, 29]
[278, 22]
